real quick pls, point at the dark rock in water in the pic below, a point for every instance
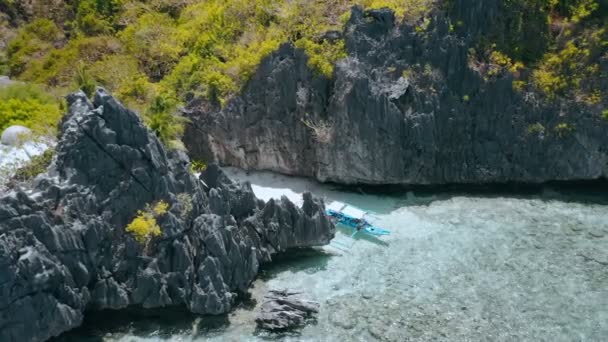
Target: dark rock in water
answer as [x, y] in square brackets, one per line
[283, 309]
[404, 107]
[63, 245]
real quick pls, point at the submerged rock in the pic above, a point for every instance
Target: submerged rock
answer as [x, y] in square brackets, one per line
[63, 245]
[284, 309]
[404, 107]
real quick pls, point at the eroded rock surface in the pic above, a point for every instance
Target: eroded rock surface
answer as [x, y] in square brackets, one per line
[405, 107]
[284, 309]
[63, 245]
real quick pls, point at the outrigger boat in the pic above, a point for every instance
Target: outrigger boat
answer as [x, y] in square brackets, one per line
[353, 218]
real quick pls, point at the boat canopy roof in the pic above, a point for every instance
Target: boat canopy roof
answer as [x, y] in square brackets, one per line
[336, 206]
[346, 210]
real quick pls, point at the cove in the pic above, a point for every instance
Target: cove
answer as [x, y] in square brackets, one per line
[498, 267]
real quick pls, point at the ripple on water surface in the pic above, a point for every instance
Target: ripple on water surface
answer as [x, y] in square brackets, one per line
[456, 267]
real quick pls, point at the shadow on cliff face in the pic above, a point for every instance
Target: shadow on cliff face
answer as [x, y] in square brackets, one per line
[570, 191]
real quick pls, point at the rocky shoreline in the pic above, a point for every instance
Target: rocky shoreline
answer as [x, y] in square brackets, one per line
[63, 246]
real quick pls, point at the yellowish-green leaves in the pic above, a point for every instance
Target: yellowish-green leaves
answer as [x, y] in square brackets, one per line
[536, 128]
[322, 56]
[198, 166]
[154, 40]
[563, 129]
[144, 226]
[563, 70]
[408, 9]
[192, 48]
[29, 106]
[32, 41]
[583, 9]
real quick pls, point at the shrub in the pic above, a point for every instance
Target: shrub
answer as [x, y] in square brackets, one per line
[408, 9]
[563, 129]
[160, 117]
[144, 226]
[322, 56]
[519, 85]
[29, 106]
[197, 166]
[37, 165]
[57, 68]
[120, 74]
[32, 40]
[536, 128]
[83, 80]
[605, 114]
[95, 17]
[155, 42]
[562, 71]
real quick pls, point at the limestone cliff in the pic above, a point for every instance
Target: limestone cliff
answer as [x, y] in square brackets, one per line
[405, 107]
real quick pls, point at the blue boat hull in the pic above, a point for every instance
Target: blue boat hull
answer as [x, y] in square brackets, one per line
[360, 226]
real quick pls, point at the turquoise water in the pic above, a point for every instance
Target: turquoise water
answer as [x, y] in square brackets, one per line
[456, 267]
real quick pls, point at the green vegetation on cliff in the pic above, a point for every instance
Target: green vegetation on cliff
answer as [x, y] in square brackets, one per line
[554, 47]
[156, 54]
[170, 51]
[23, 104]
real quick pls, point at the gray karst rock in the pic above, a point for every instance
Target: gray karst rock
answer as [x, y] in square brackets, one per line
[14, 135]
[405, 107]
[5, 81]
[284, 309]
[63, 244]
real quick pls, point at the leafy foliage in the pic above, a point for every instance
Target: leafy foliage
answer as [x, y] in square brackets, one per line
[555, 47]
[83, 80]
[408, 9]
[563, 129]
[36, 165]
[96, 16]
[573, 68]
[323, 56]
[192, 47]
[198, 166]
[32, 41]
[160, 118]
[144, 226]
[536, 128]
[29, 106]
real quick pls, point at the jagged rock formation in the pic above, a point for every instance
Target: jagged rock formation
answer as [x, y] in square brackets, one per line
[63, 245]
[284, 309]
[405, 107]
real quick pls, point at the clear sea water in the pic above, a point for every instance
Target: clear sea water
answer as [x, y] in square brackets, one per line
[484, 266]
